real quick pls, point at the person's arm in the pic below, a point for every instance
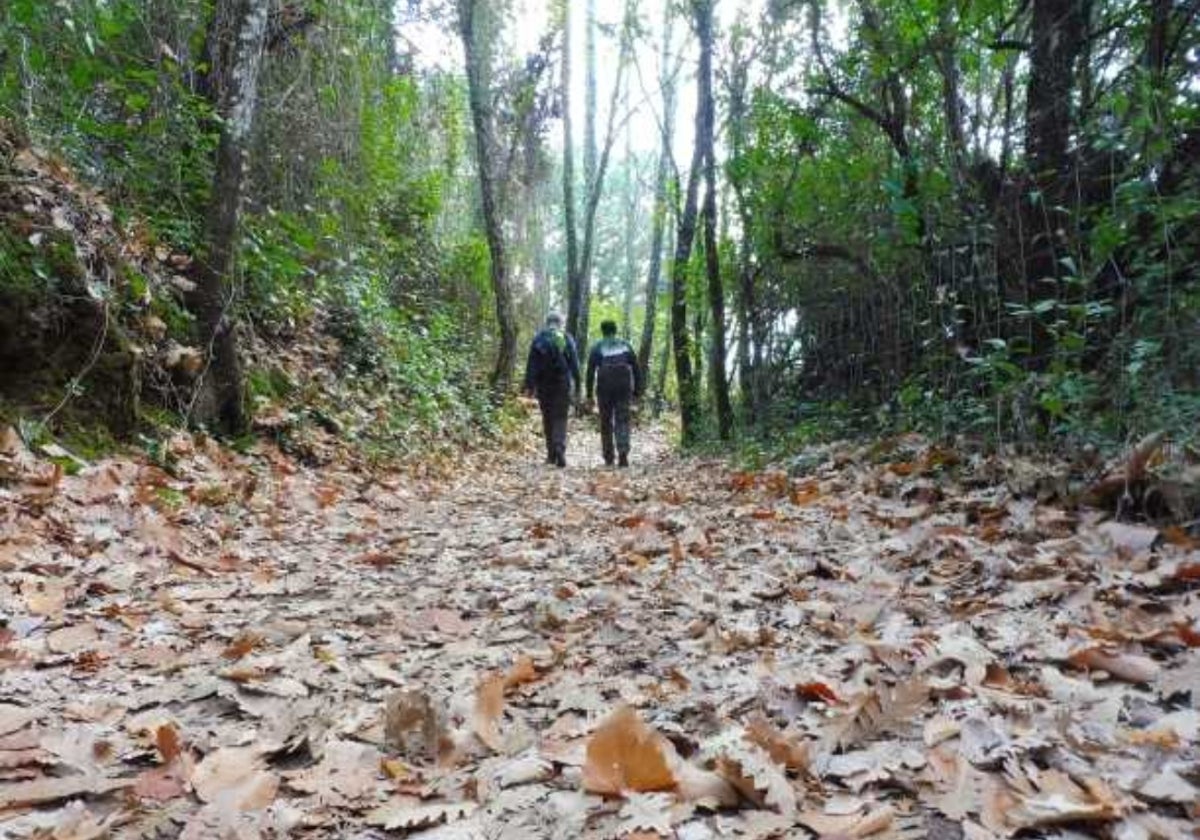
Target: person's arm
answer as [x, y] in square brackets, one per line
[532, 369]
[573, 363]
[593, 363]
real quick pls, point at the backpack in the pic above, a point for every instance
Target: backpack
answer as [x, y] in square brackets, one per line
[552, 345]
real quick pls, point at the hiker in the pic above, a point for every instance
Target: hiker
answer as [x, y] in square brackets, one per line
[552, 374]
[613, 373]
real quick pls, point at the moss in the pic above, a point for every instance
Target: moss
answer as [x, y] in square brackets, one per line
[178, 320]
[90, 442]
[270, 383]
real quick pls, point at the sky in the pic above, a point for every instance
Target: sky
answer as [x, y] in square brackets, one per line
[432, 46]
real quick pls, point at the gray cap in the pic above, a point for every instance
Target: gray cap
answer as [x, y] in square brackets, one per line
[554, 319]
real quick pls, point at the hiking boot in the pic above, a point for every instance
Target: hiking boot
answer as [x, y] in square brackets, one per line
[624, 460]
[560, 461]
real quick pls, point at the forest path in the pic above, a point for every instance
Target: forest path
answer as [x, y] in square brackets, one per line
[873, 648]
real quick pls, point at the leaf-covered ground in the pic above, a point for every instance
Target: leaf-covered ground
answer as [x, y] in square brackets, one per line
[883, 643]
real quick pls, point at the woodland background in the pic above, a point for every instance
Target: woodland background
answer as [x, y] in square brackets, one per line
[973, 218]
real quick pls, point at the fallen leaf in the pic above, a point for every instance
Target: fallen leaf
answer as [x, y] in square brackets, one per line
[13, 717]
[625, 755]
[410, 813]
[1125, 666]
[166, 738]
[489, 707]
[235, 777]
[42, 791]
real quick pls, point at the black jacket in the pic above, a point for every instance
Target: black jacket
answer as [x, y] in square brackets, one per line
[613, 352]
[553, 363]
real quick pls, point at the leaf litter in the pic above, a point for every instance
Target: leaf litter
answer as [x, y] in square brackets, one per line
[878, 642]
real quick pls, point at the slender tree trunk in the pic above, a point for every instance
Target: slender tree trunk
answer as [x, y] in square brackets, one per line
[574, 290]
[591, 174]
[952, 105]
[632, 195]
[579, 269]
[477, 61]
[236, 41]
[661, 183]
[685, 235]
[718, 374]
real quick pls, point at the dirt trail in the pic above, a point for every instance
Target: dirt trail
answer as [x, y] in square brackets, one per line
[875, 646]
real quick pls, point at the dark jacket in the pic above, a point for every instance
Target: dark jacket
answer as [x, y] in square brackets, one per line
[617, 355]
[553, 363]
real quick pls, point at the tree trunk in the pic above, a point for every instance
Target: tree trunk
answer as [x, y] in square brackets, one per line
[952, 105]
[481, 119]
[235, 49]
[579, 309]
[659, 222]
[685, 235]
[579, 269]
[716, 290]
[574, 290]
[1058, 39]
[632, 194]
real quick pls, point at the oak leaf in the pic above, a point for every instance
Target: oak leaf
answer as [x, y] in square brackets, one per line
[625, 755]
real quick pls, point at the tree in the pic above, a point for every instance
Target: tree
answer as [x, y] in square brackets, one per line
[581, 254]
[685, 236]
[705, 122]
[478, 56]
[236, 39]
[662, 173]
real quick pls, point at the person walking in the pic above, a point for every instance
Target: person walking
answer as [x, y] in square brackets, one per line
[613, 374]
[552, 374]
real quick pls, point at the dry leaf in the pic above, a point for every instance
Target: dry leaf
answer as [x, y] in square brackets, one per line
[410, 813]
[1125, 666]
[236, 778]
[625, 755]
[166, 738]
[42, 791]
[489, 707]
[783, 749]
[14, 718]
[414, 727]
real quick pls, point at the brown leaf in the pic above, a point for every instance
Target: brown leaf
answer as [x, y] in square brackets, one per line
[244, 644]
[819, 692]
[414, 727]
[236, 778]
[521, 673]
[1124, 666]
[489, 706]
[166, 738]
[782, 748]
[161, 783]
[624, 754]
[41, 791]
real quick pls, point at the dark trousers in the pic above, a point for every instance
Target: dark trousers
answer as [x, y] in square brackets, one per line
[614, 397]
[555, 404]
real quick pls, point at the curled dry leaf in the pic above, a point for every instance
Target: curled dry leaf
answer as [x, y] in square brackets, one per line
[625, 755]
[235, 777]
[1124, 666]
[410, 813]
[41, 791]
[1060, 801]
[863, 822]
[752, 772]
[489, 707]
[782, 748]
